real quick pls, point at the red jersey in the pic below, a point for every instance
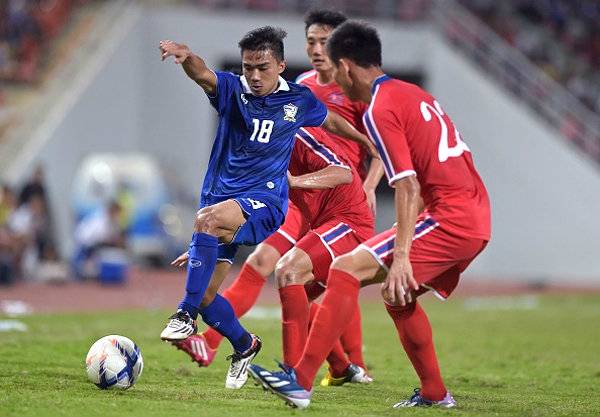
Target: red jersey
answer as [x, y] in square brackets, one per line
[314, 150]
[415, 136]
[333, 97]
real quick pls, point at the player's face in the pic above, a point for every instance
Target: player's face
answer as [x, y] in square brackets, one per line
[316, 39]
[343, 78]
[261, 70]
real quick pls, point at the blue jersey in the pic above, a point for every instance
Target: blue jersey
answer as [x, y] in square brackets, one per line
[255, 138]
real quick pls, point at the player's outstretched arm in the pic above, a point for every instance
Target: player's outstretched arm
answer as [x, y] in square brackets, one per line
[337, 125]
[328, 177]
[400, 283]
[371, 181]
[192, 64]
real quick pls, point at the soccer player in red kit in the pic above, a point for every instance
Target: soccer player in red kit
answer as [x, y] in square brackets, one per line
[424, 156]
[243, 293]
[335, 218]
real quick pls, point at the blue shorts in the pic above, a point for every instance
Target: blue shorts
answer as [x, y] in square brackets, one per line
[263, 218]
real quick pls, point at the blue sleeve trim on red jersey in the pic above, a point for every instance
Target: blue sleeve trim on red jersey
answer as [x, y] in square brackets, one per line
[320, 149]
[370, 125]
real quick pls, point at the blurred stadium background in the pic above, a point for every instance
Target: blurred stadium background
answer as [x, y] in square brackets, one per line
[103, 149]
[90, 116]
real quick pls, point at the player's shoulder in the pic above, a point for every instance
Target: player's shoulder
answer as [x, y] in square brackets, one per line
[299, 90]
[400, 91]
[306, 77]
[316, 139]
[229, 78]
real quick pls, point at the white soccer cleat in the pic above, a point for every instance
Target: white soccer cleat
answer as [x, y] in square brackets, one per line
[237, 375]
[180, 326]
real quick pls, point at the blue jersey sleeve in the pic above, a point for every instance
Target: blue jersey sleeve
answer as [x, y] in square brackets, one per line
[226, 85]
[315, 111]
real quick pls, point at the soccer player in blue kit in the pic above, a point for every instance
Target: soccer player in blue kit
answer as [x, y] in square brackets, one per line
[245, 192]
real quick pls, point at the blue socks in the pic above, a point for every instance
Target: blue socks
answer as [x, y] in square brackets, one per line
[220, 316]
[201, 265]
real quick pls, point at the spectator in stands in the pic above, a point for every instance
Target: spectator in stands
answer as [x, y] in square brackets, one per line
[560, 36]
[8, 204]
[99, 229]
[25, 226]
[44, 239]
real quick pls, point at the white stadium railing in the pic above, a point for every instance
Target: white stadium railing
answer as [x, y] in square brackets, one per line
[550, 100]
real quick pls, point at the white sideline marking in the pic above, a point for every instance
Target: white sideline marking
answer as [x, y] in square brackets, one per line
[504, 303]
[264, 313]
[12, 325]
[15, 308]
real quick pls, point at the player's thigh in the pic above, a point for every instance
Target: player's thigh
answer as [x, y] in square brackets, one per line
[294, 268]
[360, 264]
[217, 278]
[325, 243]
[279, 243]
[294, 227]
[263, 218]
[221, 219]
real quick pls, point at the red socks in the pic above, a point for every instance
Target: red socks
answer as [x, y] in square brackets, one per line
[294, 322]
[241, 294]
[336, 311]
[352, 340]
[416, 337]
[338, 362]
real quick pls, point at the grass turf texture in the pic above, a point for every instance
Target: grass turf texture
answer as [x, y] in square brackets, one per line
[538, 362]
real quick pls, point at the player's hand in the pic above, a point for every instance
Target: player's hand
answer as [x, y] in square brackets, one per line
[399, 283]
[181, 260]
[178, 51]
[371, 199]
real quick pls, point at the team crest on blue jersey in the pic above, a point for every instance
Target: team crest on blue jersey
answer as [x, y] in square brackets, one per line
[290, 112]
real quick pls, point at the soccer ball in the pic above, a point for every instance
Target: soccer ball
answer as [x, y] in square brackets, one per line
[114, 362]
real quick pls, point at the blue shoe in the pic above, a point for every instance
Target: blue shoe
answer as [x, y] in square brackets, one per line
[417, 400]
[283, 384]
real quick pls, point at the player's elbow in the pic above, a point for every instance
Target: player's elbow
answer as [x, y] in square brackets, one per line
[409, 186]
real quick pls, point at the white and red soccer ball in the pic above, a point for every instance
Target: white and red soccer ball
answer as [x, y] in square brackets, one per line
[114, 362]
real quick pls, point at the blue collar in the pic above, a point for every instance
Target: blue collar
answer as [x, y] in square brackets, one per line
[379, 80]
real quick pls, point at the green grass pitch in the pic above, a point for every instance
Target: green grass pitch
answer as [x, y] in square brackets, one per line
[543, 360]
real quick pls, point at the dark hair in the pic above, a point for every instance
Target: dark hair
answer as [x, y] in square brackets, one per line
[264, 38]
[323, 17]
[356, 41]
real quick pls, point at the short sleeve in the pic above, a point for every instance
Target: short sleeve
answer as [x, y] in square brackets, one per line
[315, 111]
[226, 86]
[315, 153]
[389, 137]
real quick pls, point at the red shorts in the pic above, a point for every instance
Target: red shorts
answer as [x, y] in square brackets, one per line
[436, 256]
[322, 244]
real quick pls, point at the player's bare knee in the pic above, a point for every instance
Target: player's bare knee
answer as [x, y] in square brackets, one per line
[286, 274]
[345, 263]
[260, 263]
[207, 221]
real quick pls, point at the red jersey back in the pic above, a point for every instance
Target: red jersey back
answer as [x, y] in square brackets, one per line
[333, 97]
[414, 135]
[314, 150]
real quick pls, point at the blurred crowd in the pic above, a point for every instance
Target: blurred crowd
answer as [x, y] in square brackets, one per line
[562, 37]
[26, 27]
[28, 249]
[405, 10]
[26, 238]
